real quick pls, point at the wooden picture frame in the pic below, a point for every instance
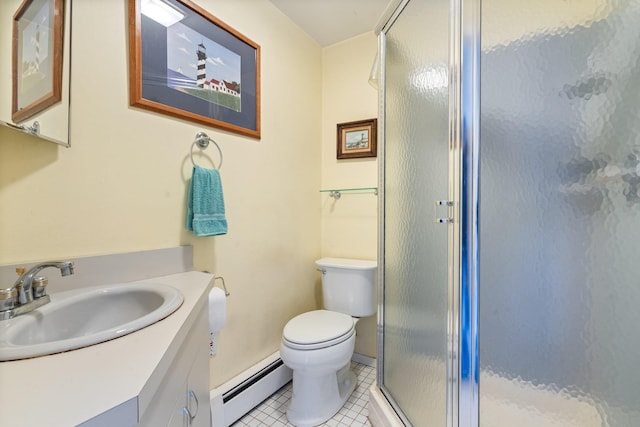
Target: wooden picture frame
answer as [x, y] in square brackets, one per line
[193, 66]
[357, 139]
[36, 57]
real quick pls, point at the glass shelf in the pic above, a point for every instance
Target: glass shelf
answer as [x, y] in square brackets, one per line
[337, 193]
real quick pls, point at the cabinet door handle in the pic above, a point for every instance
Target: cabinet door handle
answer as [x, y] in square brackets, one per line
[186, 412]
[193, 395]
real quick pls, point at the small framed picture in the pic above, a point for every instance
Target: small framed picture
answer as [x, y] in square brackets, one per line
[36, 57]
[186, 63]
[357, 139]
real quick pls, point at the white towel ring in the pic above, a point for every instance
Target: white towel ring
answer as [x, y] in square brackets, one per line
[202, 139]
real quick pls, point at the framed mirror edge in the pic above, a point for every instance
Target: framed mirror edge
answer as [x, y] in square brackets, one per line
[39, 125]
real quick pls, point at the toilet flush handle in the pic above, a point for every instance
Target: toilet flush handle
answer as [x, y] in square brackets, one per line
[322, 270]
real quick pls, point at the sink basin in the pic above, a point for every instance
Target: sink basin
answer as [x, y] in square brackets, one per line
[83, 317]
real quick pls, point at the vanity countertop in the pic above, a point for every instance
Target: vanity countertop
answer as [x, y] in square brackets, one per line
[120, 375]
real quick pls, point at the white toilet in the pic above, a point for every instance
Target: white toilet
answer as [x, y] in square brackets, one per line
[318, 345]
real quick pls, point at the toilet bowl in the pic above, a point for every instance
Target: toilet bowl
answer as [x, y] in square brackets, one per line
[318, 345]
[322, 378]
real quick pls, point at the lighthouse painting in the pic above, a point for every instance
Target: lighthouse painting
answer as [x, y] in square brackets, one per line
[203, 68]
[186, 63]
[35, 51]
[36, 57]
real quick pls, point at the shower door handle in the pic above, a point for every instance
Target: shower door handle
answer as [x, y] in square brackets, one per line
[443, 219]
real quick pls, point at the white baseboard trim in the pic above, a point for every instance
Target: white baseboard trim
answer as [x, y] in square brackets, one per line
[365, 360]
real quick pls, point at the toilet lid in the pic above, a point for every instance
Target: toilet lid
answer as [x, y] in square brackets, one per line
[318, 327]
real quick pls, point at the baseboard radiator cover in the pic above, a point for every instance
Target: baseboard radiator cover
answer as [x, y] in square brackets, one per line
[241, 394]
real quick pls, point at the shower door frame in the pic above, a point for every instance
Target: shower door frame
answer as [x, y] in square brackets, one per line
[464, 142]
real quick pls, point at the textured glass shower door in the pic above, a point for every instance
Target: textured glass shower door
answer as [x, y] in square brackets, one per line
[560, 214]
[416, 174]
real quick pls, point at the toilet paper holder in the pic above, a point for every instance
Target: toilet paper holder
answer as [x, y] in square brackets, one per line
[224, 286]
[226, 292]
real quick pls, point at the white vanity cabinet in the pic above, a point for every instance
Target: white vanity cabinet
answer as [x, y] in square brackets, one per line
[141, 379]
[193, 409]
[182, 399]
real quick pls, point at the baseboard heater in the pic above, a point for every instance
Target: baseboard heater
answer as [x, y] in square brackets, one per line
[241, 394]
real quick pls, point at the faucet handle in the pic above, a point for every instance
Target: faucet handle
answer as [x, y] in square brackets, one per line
[8, 299]
[39, 286]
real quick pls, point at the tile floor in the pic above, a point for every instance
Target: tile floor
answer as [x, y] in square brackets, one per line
[272, 412]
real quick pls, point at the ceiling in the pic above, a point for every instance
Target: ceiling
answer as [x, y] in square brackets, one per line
[332, 21]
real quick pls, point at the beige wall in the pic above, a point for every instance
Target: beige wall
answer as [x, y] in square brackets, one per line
[349, 225]
[121, 186]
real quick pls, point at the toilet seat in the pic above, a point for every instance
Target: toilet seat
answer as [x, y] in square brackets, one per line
[318, 329]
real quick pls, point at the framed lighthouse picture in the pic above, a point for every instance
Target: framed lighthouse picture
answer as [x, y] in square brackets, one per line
[36, 57]
[186, 63]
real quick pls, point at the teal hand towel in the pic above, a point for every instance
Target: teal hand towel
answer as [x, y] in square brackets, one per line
[205, 203]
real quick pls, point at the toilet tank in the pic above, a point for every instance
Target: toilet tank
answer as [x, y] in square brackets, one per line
[349, 285]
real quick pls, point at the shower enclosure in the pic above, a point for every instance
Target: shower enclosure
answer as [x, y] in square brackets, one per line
[510, 213]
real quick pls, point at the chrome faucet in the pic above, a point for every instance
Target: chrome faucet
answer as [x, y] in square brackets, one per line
[19, 298]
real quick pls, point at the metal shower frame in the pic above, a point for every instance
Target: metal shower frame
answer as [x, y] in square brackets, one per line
[463, 231]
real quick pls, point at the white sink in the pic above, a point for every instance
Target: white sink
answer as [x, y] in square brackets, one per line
[83, 317]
